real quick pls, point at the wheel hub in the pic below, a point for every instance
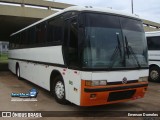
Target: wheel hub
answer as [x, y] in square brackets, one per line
[59, 90]
[18, 72]
[154, 74]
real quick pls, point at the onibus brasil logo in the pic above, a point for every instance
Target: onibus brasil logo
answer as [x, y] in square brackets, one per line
[31, 95]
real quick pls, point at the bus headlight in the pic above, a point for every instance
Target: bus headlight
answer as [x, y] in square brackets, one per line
[103, 82]
[143, 79]
[96, 83]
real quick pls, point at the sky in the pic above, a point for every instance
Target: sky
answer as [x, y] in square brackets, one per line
[145, 9]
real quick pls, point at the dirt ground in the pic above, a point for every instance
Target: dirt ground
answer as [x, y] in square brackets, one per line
[9, 83]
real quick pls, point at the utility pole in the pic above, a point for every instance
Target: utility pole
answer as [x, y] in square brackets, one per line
[132, 6]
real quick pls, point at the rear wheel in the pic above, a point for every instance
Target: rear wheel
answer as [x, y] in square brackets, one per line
[154, 74]
[58, 90]
[18, 72]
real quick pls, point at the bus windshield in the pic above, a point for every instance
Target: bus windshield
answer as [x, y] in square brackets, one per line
[113, 42]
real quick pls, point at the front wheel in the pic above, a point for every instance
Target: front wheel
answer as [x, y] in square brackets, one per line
[154, 74]
[58, 90]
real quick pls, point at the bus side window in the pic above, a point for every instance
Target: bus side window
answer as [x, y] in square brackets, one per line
[73, 43]
[32, 36]
[41, 33]
[18, 41]
[13, 42]
[55, 30]
[25, 38]
[153, 43]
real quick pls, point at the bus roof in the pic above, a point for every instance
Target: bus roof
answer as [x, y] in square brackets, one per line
[153, 33]
[80, 8]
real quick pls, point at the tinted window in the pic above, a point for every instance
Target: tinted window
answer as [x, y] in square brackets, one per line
[131, 24]
[106, 38]
[24, 38]
[103, 39]
[153, 43]
[41, 33]
[104, 21]
[17, 40]
[32, 36]
[73, 43]
[135, 42]
[12, 42]
[55, 30]
[70, 14]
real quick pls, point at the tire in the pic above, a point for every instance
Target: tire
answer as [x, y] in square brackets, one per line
[18, 72]
[154, 74]
[58, 90]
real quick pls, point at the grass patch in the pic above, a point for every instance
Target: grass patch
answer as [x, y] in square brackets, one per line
[3, 58]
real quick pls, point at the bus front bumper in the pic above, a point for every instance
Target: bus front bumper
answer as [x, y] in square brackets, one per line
[100, 95]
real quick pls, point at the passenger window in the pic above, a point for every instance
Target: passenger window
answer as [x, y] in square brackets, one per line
[24, 38]
[32, 36]
[55, 30]
[153, 43]
[41, 33]
[73, 44]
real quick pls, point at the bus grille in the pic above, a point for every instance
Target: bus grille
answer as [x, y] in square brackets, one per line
[113, 96]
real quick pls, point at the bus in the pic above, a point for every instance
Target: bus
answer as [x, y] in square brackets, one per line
[84, 55]
[153, 41]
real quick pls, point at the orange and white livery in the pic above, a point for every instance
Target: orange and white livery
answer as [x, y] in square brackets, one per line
[88, 56]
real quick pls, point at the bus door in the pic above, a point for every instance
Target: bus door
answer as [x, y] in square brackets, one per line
[72, 60]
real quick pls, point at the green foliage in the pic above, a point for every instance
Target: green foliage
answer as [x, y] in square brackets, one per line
[3, 58]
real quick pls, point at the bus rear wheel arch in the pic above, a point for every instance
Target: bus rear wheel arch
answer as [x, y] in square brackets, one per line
[154, 74]
[58, 88]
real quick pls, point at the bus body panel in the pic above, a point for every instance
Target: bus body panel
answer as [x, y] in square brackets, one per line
[155, 63]
[73, 85]
[103, 96]
[106, 96]
[114, 76]
[153, 55]
[151, 34]
[52, 54]
[42, 74]
[12, 65]
[39, 61]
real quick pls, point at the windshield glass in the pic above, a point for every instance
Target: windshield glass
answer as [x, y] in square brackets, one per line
[135, 38]
[113, 42]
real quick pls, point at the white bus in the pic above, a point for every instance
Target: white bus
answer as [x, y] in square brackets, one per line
[153, 40]
[88, 56]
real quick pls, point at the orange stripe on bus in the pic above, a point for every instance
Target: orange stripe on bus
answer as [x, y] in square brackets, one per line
[101, 97]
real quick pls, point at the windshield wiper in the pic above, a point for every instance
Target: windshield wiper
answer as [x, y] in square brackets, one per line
[117, 49]
[129, 50]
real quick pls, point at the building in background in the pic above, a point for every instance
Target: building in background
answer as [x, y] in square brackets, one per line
[4, 47]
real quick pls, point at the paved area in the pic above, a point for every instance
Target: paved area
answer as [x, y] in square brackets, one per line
[3, 66]
[9, 83]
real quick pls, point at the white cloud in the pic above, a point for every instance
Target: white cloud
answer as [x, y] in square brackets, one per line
[149, 9]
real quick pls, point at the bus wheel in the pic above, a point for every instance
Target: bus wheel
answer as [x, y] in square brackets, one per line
[58, 90]
[154, 74]
[18, 72]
